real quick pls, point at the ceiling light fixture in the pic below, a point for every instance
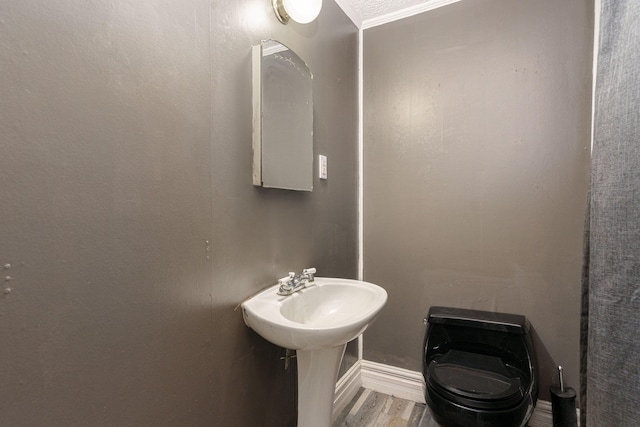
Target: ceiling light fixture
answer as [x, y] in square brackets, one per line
[301, 11]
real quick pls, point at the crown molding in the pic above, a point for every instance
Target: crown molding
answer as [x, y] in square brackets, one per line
[405, 13]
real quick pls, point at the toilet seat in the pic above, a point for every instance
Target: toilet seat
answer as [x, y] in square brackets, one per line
[475, 380]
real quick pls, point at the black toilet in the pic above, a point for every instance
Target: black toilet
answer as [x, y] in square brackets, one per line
[479, 368]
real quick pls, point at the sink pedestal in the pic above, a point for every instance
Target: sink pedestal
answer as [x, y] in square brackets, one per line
[317, 376]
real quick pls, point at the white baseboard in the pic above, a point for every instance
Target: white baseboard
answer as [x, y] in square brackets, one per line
[407, 385]
[346, 388]
[394, 381]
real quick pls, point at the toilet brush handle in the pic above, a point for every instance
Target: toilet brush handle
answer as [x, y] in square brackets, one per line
[561, 378]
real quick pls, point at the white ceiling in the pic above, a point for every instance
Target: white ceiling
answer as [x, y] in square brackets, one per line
[368, 13]
[374, 8]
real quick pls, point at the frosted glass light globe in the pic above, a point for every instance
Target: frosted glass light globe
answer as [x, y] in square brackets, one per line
[302, 11]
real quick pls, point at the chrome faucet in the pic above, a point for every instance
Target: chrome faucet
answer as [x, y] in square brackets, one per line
[293, 283]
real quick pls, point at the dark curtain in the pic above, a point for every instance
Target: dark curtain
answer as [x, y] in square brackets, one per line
[584, 316]
[612, 374]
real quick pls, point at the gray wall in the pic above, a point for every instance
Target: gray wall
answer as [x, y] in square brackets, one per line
[128, 217]
[476, 151]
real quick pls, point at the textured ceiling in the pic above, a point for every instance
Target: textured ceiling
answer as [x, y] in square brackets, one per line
[367, 13]
[368, 9]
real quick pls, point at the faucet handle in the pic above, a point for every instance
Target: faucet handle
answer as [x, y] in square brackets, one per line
[286, 280]
[309, 272]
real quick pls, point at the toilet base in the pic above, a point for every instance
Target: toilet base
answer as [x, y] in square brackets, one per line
[450, 414]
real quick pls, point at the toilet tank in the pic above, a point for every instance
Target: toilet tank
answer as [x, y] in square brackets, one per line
[494, 334]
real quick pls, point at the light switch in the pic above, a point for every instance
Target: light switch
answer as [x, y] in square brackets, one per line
[322, 166]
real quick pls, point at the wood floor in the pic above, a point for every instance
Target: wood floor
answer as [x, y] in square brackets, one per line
[372, 409]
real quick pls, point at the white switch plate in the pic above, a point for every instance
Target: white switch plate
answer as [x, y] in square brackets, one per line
[322, 166]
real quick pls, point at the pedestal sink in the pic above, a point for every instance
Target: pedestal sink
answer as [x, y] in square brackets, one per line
[318, 322]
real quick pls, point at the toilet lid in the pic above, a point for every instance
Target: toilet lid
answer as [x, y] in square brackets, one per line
[475, 380]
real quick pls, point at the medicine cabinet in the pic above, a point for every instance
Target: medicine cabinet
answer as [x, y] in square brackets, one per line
[282, 118]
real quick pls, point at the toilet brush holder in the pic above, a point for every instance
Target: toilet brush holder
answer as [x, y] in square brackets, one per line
[563, 404]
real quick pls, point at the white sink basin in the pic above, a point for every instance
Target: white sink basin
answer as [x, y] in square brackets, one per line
[328, 313]
[317, 322]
